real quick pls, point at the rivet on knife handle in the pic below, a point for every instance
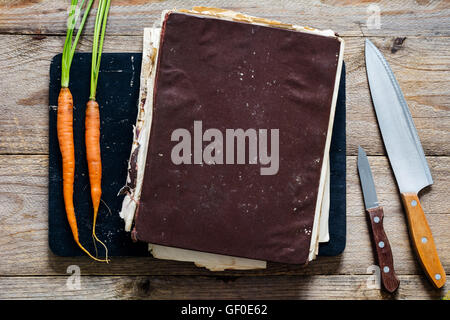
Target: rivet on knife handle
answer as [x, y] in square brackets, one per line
[423, 240]
[383, 249]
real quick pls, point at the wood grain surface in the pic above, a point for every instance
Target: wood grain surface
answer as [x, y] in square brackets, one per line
[414, 37]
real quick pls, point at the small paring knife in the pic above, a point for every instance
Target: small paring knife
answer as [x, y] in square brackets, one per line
[375, 215]
[406, 157]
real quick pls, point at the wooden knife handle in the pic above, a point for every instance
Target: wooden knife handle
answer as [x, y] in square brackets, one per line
[383, 249]
[423, 240]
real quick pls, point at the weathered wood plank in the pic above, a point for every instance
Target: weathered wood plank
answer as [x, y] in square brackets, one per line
[336, 287]
[351, 18]
[421, 65]
[24, 227]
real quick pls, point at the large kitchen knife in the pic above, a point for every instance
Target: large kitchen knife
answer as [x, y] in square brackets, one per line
[406, 157]
[375, 215]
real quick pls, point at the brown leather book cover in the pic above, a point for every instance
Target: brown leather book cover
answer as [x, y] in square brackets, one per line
[201, 191]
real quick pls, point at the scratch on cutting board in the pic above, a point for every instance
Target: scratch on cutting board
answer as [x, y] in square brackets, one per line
[132, 74]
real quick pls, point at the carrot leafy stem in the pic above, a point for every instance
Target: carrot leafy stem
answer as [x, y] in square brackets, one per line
[70, 44]
[97, 45]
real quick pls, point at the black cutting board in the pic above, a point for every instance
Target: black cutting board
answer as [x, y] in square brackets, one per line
[118, 94]
[337, 222]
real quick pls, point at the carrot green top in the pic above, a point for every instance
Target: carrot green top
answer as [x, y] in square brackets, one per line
[97, 46]
[69, 45]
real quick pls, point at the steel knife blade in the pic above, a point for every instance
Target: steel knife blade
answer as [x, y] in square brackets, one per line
[375, 214]
[405, 155]
[367, 184]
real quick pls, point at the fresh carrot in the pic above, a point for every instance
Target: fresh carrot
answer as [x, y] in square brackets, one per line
[65, 118]
[92, 121]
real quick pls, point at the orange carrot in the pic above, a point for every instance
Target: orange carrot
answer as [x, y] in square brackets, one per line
[92, 121]
[93, 156]
[64, 125]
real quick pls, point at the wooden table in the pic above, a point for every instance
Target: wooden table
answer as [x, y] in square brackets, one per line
[415, 38]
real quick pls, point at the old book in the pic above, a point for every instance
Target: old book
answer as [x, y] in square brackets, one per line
[228, 71]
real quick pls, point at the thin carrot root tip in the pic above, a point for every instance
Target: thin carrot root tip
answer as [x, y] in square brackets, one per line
[95, 246]
[90, 255]
[107, 207]
[104, 246]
